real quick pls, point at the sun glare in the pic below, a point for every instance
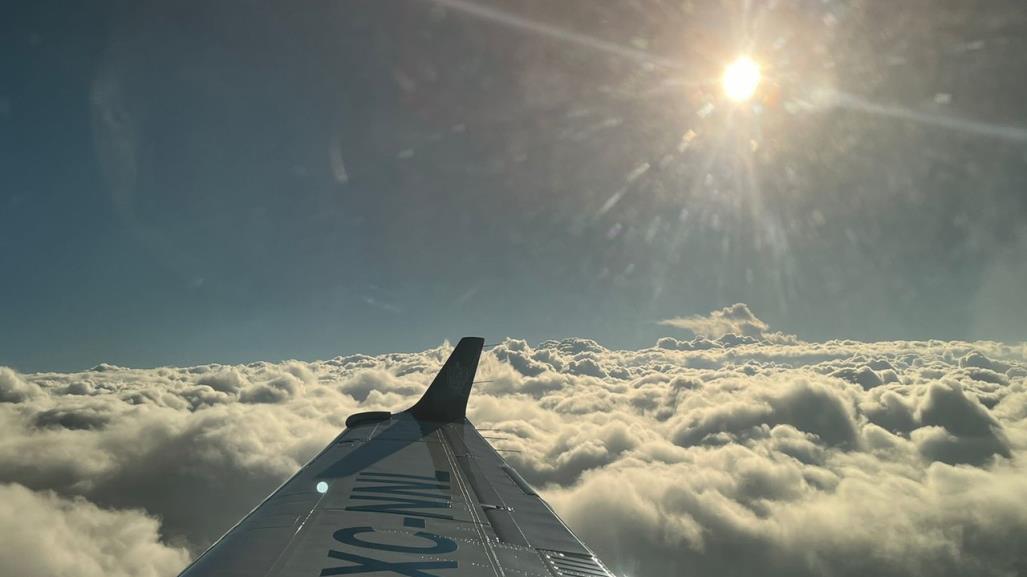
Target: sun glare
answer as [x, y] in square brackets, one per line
[741, 78]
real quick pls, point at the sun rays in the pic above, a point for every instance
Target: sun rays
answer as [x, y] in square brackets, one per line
[741, 79]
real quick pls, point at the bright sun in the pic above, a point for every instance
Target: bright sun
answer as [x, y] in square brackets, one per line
[741, 78]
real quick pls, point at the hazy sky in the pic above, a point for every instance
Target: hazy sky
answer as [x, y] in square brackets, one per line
[184, 182]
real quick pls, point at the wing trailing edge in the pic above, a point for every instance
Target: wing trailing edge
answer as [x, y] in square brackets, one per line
[445, 401]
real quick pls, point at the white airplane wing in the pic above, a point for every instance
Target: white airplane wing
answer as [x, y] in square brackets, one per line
[418, 493]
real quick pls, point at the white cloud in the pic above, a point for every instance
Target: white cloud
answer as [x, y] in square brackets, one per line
[44, 535]
[755, 453]
[729, 327]
[736, 319]
[14, 389]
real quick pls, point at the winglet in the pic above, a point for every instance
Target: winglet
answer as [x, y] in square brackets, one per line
[446, 398]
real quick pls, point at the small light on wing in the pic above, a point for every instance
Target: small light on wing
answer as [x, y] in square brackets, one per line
[322, 487]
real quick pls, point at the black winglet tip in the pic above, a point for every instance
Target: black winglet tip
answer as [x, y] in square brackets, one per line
[475, 342]
[446, 397]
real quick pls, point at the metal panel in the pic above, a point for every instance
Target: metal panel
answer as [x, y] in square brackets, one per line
[540, 526]
[402, 497]
[564, 565]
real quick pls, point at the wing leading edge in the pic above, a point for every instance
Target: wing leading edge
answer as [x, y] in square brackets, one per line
[418, 493]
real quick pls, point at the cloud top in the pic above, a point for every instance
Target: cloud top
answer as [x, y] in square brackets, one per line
[736, 319]
[730, 326]
[739, 451]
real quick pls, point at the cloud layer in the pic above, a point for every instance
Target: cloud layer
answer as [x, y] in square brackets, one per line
[740, 451]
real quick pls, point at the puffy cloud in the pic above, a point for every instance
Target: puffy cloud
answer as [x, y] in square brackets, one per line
[815, 408]
[13, 389]
[228, 381]
[958, 428]
[977, 359]
[732, 326]
[45, 535]
[736, 452]
[864, 376]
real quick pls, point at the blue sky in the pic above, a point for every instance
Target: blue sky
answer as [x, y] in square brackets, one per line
[187, 182]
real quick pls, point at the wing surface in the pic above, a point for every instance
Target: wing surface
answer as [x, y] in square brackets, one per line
[418, 493]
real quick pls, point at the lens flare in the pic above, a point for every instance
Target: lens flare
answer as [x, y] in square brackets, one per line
[741, 78]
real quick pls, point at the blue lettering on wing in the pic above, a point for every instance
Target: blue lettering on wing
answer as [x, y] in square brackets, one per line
[404, 475]
[369, 565]
[396, 494]
[402, 494]
[441, 545]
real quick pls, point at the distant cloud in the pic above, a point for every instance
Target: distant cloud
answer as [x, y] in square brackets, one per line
[733, 321]
[738, 452]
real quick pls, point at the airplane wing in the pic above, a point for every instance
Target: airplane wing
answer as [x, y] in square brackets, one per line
[418, 493]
